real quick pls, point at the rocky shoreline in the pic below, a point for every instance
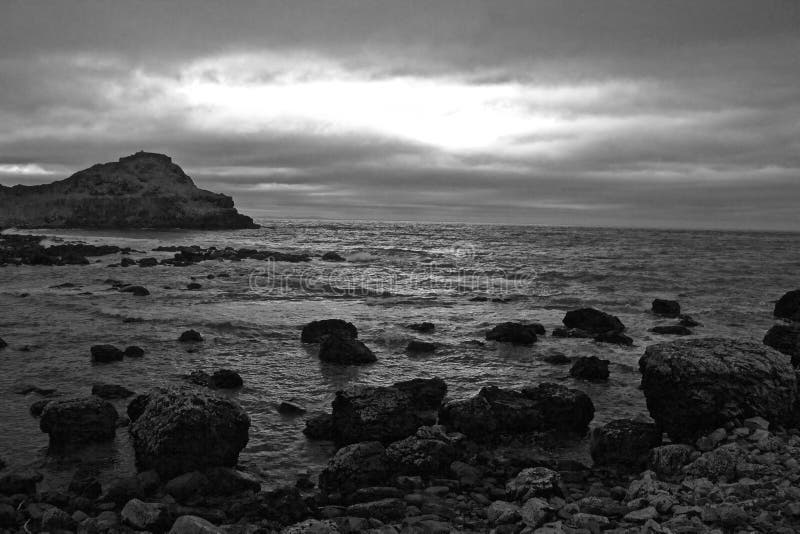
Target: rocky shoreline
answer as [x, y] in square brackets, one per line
[722, 455]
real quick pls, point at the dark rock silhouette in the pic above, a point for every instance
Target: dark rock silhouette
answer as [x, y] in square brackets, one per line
[317, 331]
[592, 320]
[78, 421]
[190, 336]
[515, 333]
[624, 442]
[666, 308]
[332, 256]
[788, 306]
[424, 327]
[134, 352]
[671, 330]
[106, 353]
[785, 338]
[694, 386]
[138, 291]
[345, 350]
[144, 190]
[590, 368]
[420, 347]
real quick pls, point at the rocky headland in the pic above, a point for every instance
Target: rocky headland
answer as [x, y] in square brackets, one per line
[144, 190]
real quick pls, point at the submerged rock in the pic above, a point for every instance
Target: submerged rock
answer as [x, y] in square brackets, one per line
[788, 306]
[672, 330]
[516, 333]
[495, 411]
[590, 368]
[694, 386]
[345, 350]
[106, 353]
[624, 442]
[367, 413]
[666, 308]
[420, 347]
[139, 291]
[78, 421]
[785, 338]
[111, 391]
[318, 331]
[424, 327]
[190, 336]
[290, 409]
[332, 256]
[592, 320]
[184, 430]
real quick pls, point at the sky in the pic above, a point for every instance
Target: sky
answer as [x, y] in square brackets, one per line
[635, 113]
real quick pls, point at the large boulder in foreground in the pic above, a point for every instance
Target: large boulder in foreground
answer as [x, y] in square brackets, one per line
[592, 320]
[695, 386]
[77, 421]
[181, 430]
[318, 331]
[144, 190]
[785, 338]
[494, 411]
[386, 414]
[788, 306]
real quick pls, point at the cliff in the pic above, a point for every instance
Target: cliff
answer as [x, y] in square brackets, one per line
[144, 190]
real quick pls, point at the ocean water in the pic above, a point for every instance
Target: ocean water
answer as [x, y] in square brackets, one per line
[396, 273]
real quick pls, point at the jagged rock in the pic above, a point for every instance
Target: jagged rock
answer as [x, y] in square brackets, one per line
[149, 516]
[694, 386]
[111, 391]
[671, 330]
[666, 308]
[533, 482]
[592, 320]
[615, 338]
[420, 347]
[345, 350]
[667, 460]
[319, 427]
[144, 190]
[190, 336]
[191, 524]
[424, 327]
[722, 461]
[786, 339]
[590, 368]
[138, 291]
[134, 352]
[106, 353]
[77, 421]
[493, 410]
[317, 331]
[515, 333]
[183, 430]
[788, 306]
[623, 442]
[332, 256]
[367, 413]
[355, 466]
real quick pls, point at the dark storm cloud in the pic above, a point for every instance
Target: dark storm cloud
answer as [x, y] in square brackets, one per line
[637, 112]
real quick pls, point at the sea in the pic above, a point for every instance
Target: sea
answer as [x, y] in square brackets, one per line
[394, 274]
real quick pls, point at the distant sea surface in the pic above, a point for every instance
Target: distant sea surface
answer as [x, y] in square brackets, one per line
[395, 274]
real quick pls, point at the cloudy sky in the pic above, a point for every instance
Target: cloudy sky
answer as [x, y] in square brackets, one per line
[667, 113]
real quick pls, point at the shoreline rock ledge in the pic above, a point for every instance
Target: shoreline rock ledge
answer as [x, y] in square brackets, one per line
[143, 190]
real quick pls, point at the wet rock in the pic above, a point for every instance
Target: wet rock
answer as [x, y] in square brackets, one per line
[419, 455]
[420, 347]
[145, 515]
[590, 368]
[111, 391]
[668, 460]
[318, 331]
[134, 352]
[332, 256]
[717, 463]
[37, 407]
[148, 262]
[138, 291]
[106, 353]
[290, 409]
[345, 350]
[190, 336]
[193, 286]
[614, 338]
[78, 421]
[127, 262]
[515, 333]
[671, 330]
[313, 526]
[22, 482]
[191, 524]
[355, 466]
[384, 510]
[666, 308]
[424, 327]
[544, 407]
[788, 306]
[694, 386]
[533, 482]
[557, 359]
[623, 442]
[502, 512]
[592, 320]
[225, 379]
[785, 338]
[386, 414]
[180, 431]
[320, 427]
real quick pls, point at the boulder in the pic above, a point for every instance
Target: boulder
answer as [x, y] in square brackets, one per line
[515, 333]
[557, 359]
[138, 291]
[148, 262]
[788, 306]
[106, 353]
[134, 352]
[190, 336]
[785, 338]
[423, 327]
[533, 482]
[150, 516]
[386, 414]
[421, 454]
[420, 347]
[191, 524]
[225, 379]
[77, 421]
[55, 519]
[668, 460]
[666, 308]
[671, 330]
[355, 466]
[317, 331]
[183, 430]
[592, 320]
[332, 256]
[590, 368]
[111, 391]
[494, 411]
[193, 286]
[624, 442]
[345, 350]
[694, 386]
